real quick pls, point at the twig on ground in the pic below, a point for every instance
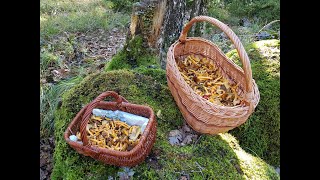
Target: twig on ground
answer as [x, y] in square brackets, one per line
[197, 141]
[267, 25]
[252, 151]
[200, 168]
[217, 159]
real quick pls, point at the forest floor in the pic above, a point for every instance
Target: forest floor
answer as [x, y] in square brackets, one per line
[76, 40]
[71, 48]
[101, 46]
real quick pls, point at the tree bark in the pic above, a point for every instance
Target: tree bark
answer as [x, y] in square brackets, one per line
[160, 23]
[199, 8]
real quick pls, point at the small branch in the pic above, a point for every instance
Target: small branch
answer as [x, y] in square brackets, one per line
[200, 168]
[197, 140]
[252, 151]
[247, 35]
[217, 160]
[267, 25]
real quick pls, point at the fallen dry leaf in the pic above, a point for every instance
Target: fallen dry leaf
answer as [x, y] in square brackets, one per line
[183, 136]
[186, 128]
[46, 157]
[59, 74]
[175, 137]
[188, 139]
[184, 177]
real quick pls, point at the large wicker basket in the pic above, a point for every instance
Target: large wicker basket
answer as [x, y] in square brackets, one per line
[202, 115]
[113, 157]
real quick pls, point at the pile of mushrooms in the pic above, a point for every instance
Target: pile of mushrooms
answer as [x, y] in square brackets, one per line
[111, 134]
[205, 78]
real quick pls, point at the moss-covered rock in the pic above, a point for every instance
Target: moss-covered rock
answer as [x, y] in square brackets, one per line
[133, 55]
[211, 157]
[260, 135]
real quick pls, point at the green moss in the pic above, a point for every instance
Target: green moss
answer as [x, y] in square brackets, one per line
[146, 61]
[133, 55]
[156, 73]
[219, 156]
[118, 61]
[260, 135]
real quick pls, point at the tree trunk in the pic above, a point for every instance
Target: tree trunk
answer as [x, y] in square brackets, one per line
[160, 22]
[199, 8]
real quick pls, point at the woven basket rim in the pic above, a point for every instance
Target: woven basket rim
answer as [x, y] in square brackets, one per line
[210, 44]
[105, 150]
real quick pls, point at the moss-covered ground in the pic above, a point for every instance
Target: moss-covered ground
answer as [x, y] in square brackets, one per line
[260, 135]
[210, 157]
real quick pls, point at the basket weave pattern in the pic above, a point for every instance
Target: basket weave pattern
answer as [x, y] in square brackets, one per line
[202, 115]
[107, 156]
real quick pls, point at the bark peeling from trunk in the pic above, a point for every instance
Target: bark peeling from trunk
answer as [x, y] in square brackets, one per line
[160, 23]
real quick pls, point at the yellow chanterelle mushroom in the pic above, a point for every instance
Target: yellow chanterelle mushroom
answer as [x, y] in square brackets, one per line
[111, 134]
[206, 79]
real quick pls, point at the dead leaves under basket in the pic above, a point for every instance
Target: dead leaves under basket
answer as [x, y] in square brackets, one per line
[205, 78]
[111, 134]
[182, 136]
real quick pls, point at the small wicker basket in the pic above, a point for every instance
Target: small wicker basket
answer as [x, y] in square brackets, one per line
[113, 157]
[202, 115]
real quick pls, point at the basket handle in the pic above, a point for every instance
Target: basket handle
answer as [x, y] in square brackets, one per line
[86, 115]
[235, 40]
